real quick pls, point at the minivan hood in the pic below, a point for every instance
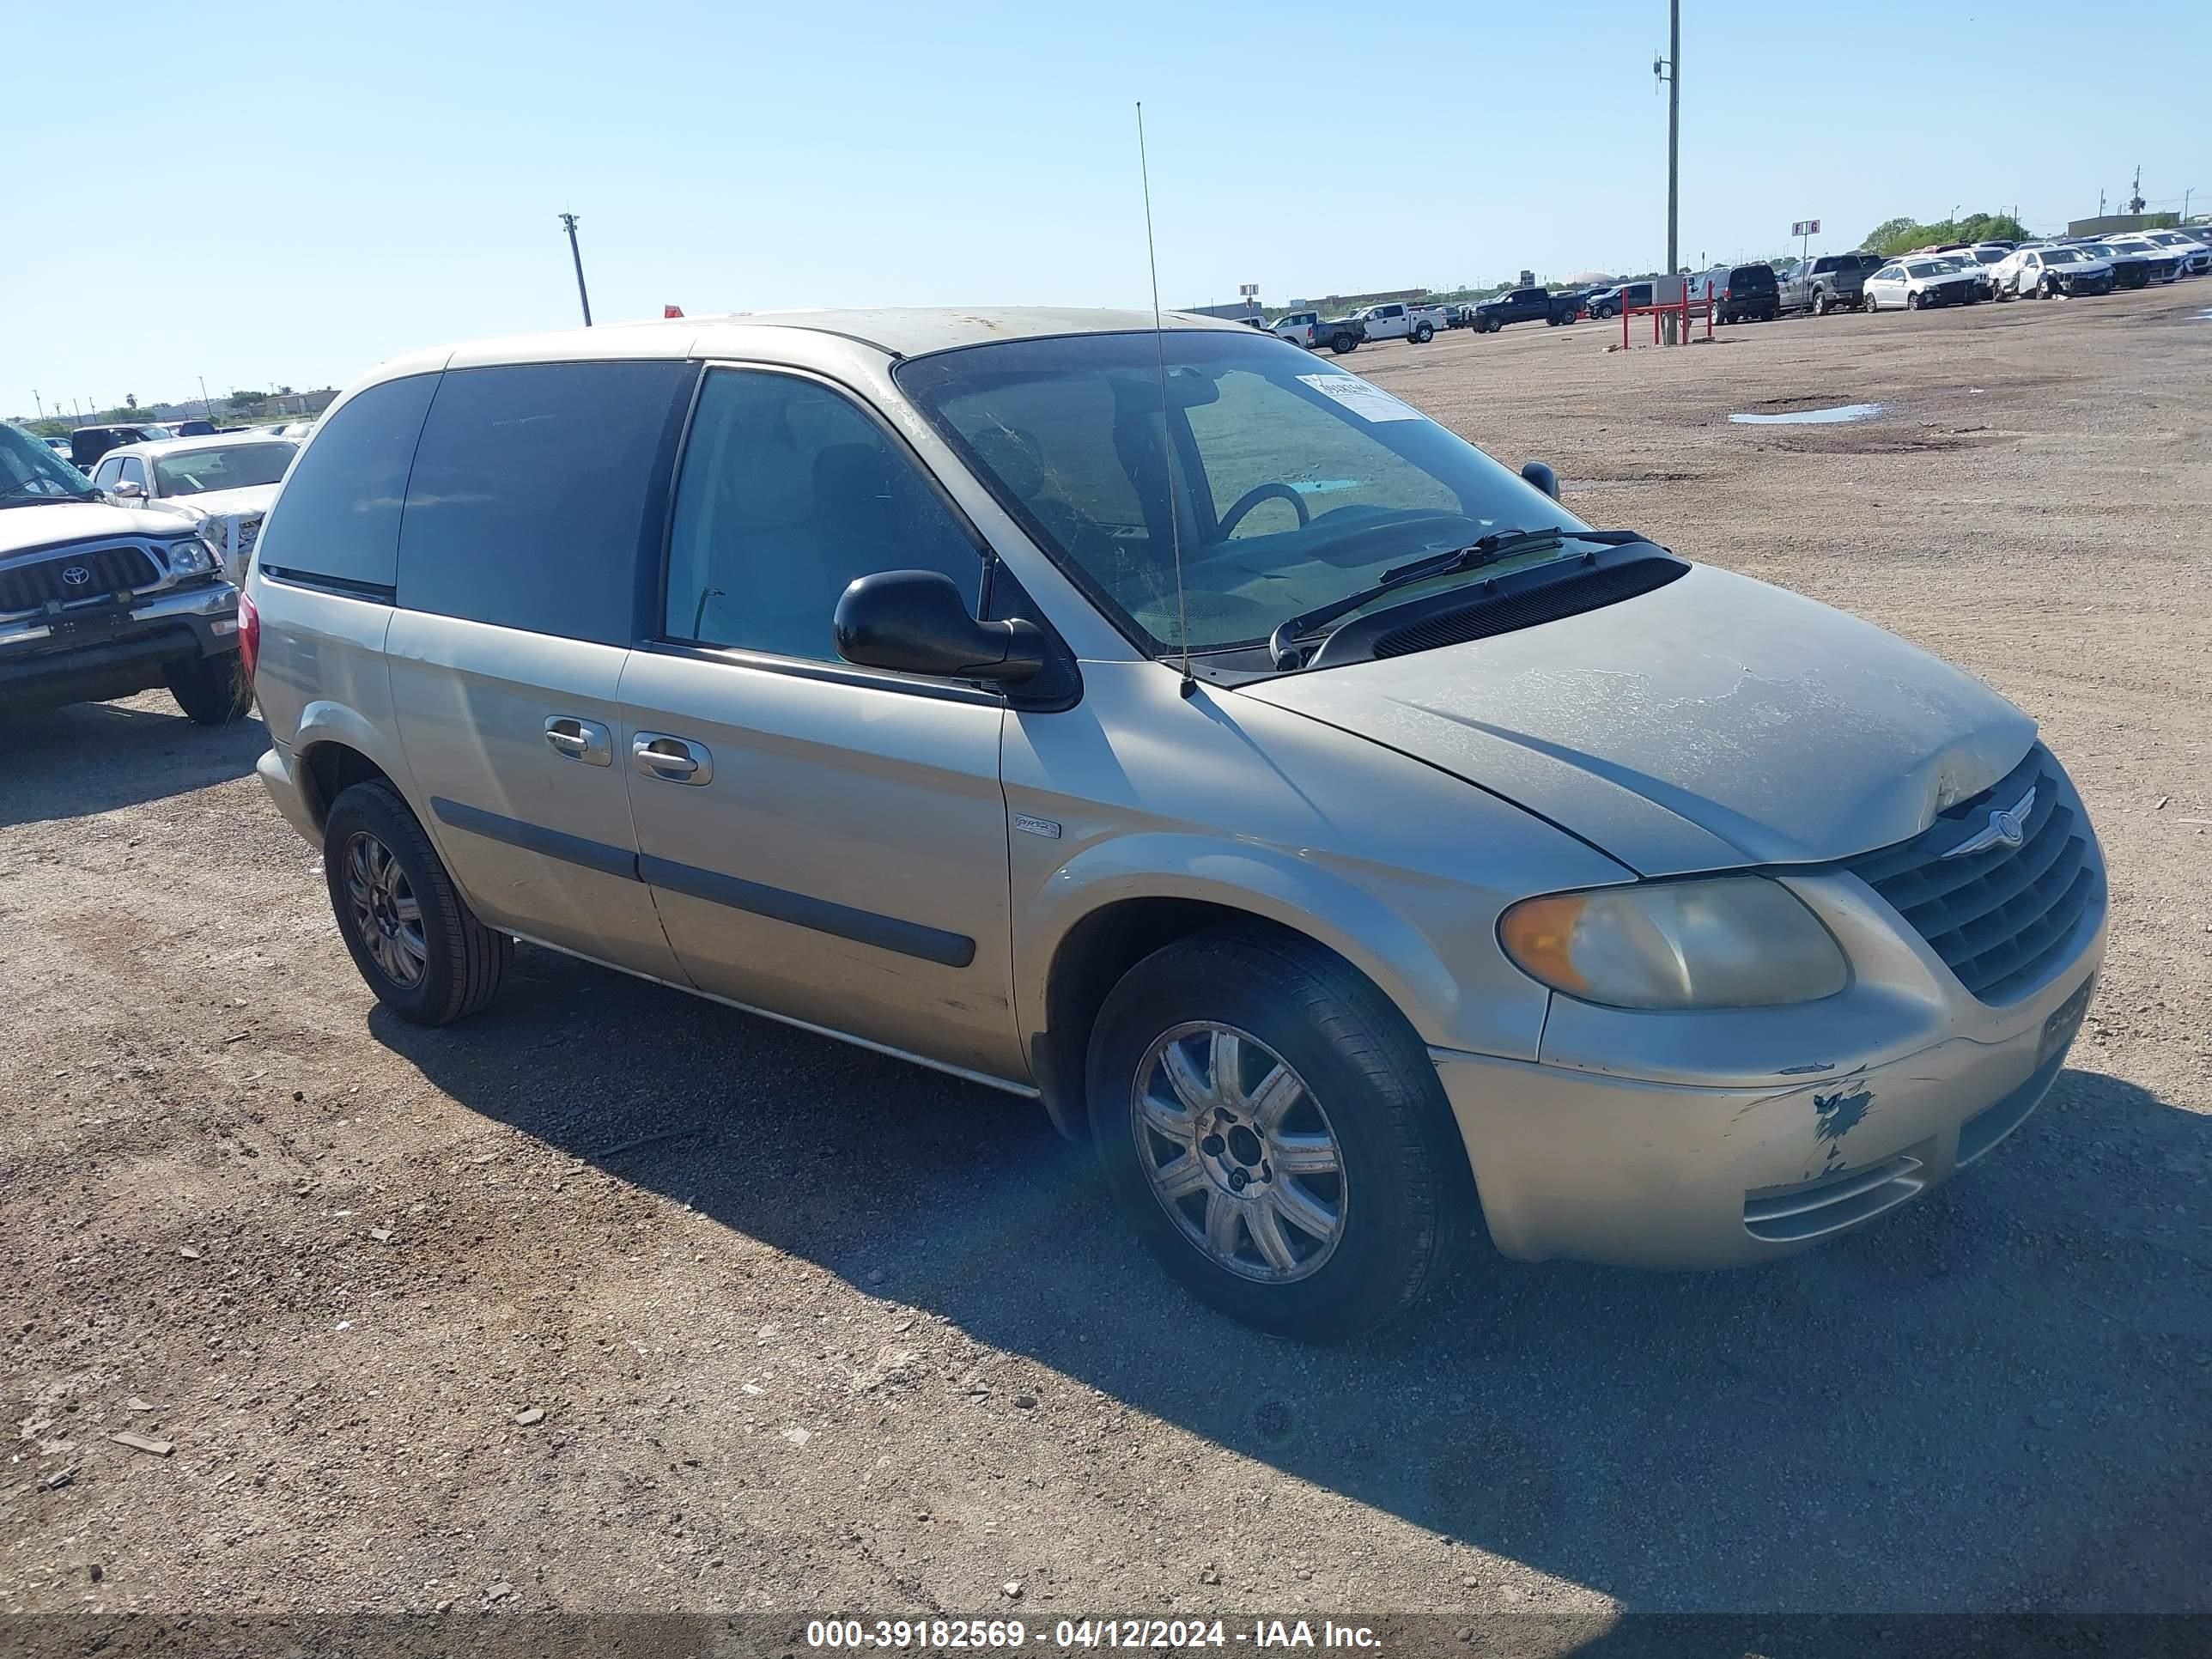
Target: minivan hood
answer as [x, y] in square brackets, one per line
[28, 529]
[1712, 723]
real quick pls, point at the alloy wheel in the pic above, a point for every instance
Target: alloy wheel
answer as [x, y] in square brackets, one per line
[386, 914]
[1239, 1153]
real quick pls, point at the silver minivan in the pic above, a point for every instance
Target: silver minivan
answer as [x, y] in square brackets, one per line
[1355, 846]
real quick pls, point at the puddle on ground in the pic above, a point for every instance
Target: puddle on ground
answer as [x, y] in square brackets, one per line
[1812, 416]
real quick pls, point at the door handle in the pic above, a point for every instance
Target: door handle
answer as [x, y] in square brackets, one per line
[580, 740]
[672, 760]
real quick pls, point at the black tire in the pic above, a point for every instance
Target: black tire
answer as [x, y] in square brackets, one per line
[463, 961]
[1912, 300]
[1405, 1200]
[1820, 303]
[1341, 343]
[1424, 334]
[211, 690]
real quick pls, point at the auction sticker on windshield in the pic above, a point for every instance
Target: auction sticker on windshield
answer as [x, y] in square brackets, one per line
[1369, 402]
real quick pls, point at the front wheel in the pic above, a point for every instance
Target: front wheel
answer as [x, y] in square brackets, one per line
[410, 932]
[211, 690]
[1276, 1133]
[1912, 302]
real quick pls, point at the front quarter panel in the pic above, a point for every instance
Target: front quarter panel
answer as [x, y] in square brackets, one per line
[1399, 868]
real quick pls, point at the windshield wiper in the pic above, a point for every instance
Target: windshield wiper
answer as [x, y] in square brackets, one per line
[23, 495]
[1286, 644]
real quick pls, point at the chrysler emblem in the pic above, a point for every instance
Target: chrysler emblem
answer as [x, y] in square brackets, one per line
[75, 575]
[2006, 828]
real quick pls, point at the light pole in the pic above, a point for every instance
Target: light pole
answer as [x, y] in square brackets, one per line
[1669, 70]
[40, 402]
[569, 223]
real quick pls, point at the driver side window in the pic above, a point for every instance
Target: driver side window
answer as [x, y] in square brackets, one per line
[789, 493]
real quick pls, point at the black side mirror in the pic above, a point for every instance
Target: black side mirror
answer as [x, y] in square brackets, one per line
[916, 623]
[1542, 477]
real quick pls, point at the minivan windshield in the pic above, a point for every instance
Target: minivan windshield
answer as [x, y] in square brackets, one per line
[30, 471]
[1295, 484]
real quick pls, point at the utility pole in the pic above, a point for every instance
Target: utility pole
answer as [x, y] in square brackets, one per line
[37, 399]
[207, 403]
[2136, 202]
[569, 223]
[1669, 70]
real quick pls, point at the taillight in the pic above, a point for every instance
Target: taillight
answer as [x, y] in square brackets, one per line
[249, 634]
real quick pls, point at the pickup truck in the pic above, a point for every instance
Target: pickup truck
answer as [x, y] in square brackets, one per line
[1827, 282]
[1312, 330]
[1417, 324]
[99, 600]
[1525, 305]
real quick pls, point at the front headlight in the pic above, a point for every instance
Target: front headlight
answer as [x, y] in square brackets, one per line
[193, 556]
[1731, 942]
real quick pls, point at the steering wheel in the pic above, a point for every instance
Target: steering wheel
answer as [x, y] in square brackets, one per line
[1252, 498]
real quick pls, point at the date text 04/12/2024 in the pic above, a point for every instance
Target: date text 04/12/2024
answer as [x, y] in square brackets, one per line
[938, 1635]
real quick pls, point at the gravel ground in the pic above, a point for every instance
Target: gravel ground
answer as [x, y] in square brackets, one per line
[615, 1299]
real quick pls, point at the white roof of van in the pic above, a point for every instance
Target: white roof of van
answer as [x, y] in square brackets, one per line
[897, 331]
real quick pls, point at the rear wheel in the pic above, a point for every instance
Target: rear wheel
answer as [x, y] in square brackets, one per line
[410, 932]
[1820, 303]
[1276, 1133]
[1424, 334]
[1341, 343]
[211, 690]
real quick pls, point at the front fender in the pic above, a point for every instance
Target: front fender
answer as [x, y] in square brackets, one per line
[1296, 893]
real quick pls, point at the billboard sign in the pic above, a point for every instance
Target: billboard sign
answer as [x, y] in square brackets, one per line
[1805, 228]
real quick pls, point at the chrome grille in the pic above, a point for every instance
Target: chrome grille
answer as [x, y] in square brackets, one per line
[2001, 918]
[45, 580]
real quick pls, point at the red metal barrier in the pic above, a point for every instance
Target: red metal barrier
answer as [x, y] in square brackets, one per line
[1685, 309]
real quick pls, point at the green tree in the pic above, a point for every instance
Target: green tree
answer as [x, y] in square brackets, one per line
[131, 401]
[1884, 232]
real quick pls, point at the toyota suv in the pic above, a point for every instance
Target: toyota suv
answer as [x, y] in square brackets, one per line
[1352, 845]
[99, 600]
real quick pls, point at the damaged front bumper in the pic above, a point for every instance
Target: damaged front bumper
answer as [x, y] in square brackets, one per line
[1715, 1139]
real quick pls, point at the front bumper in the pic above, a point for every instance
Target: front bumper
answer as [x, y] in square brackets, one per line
[1752, 1135]
[90, 654]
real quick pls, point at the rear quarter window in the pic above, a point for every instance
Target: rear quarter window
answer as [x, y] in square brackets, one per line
[535, 491]
[338, 515]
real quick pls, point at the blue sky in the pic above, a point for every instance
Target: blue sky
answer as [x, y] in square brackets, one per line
[741, 156]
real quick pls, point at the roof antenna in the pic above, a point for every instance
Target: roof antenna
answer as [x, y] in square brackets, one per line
[1167, 437]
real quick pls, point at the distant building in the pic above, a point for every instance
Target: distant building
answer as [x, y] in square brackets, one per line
[1235, 313]
[2111, 224]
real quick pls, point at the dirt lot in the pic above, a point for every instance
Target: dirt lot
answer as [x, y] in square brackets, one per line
[811, 1331]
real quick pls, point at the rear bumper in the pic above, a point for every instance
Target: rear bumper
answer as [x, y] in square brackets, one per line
[43, 663]
[277, 776]
[1634, 1173]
